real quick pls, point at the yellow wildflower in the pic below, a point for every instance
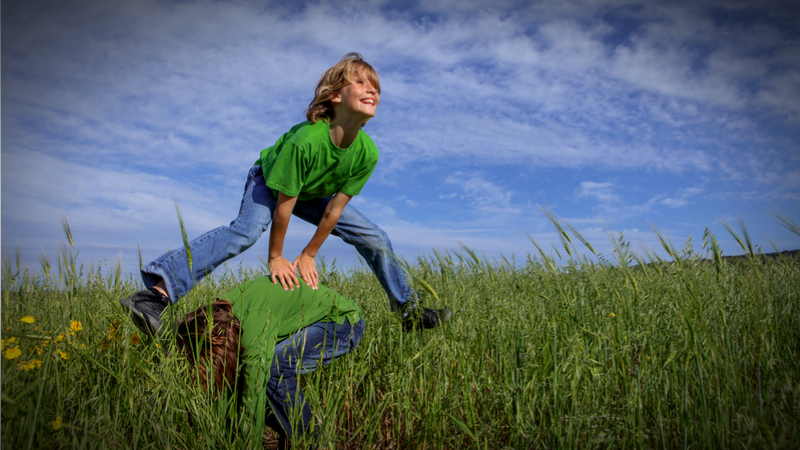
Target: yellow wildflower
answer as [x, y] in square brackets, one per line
[37, 350]
[613, 315]
[13, 353]
[2, 344]
[28, 319]
[63, 355]
[12, 340]
[56, 424]
[76, 326]
[60, 338]
[30, 365]
[113, 329]
[135, 339]
[157, 345]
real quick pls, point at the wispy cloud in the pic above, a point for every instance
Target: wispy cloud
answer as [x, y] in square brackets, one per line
[682, 199]
[603, 192]
[483, 194]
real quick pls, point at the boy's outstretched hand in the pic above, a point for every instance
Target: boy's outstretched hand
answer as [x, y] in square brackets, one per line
[305, 264]
[282, 270]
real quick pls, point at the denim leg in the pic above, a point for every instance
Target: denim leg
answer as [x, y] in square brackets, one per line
[217, 246]
[372, 244]
[304, 351]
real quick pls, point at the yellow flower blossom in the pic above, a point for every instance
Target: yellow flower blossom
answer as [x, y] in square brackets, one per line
[37, 350]
[613, 315]
[113, 330]
[13, 353]
[3, 342]
[76, 326]
[30, 365]
[28, 319]
[63, 355]
[56, 424]
[60, 338]
[158, 345]
[135, 339]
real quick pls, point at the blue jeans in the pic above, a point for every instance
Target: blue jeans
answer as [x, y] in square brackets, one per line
[300, 353]
[255, 214]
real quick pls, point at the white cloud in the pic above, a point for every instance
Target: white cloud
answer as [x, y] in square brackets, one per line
[682, 199]
[603, 192]
[483, 194]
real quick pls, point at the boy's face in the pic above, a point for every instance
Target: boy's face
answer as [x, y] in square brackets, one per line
[358, 99]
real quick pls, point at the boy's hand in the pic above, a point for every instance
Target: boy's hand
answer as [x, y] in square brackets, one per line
[305, 264]
[281, 269]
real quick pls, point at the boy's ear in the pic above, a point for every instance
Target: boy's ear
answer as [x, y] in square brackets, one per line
[336, 97]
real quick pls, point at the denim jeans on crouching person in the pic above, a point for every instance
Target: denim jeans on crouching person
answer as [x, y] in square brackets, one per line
[303, 352]
[255, 214]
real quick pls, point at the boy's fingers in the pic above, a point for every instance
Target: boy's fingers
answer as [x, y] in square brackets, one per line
[286, 277]
[285, 281]
[314, 279]
[274, 281]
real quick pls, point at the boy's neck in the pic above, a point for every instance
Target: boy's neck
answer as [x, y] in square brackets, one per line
[343, 133]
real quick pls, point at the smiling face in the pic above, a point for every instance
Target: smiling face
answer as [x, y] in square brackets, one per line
[357, 100]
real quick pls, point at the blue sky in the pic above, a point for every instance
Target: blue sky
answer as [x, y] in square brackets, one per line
[615, 115]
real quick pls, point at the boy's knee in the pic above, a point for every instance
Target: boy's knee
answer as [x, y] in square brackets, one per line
[249, 232]
[378, 240]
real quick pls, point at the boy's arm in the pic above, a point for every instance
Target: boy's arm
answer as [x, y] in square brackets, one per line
[280, 267]
[305, 262]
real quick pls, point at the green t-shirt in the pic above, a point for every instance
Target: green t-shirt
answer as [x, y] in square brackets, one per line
[268, 314]
[305, 163]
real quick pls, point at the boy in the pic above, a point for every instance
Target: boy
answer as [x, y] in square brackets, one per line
[258, 338]
[312, 172]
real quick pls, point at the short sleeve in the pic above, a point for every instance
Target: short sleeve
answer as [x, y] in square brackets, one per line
[288, 172]
[356, 182]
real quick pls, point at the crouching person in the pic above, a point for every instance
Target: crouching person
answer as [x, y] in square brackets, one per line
[262, 337]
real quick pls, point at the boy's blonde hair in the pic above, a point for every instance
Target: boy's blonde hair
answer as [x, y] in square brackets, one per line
[351, 66]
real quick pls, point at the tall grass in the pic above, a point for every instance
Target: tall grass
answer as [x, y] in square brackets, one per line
[616, 351]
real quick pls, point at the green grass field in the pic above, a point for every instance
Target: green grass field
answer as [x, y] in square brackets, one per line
[618, 351]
